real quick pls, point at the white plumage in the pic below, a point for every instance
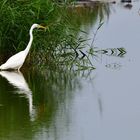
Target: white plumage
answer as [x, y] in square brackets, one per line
[17, 60]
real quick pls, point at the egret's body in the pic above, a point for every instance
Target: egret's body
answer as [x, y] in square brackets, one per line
[17, 60]
[14, 62]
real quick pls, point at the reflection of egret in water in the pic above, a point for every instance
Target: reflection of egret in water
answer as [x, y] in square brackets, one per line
[17, 80]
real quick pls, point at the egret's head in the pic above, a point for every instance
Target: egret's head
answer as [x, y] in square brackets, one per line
[38, 26]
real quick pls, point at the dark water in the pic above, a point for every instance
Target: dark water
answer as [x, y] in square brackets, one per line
[70, 105]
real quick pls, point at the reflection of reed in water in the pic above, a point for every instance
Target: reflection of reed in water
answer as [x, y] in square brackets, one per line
[118, 52]
[86, 15]
[114, 54]
[17, 80]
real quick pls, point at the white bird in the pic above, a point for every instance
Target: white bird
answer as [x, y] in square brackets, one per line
[16, 61]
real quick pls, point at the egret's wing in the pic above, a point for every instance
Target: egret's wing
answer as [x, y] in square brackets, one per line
[15, 61]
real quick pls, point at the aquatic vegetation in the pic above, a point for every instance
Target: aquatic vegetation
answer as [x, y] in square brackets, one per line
[18, 16]
[61, 43]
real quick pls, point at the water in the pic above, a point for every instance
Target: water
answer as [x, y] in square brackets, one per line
[103, 105]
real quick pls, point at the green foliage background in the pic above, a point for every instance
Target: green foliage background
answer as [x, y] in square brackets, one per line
[62, 38]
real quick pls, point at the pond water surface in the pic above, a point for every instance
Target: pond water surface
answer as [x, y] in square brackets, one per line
[102, 105]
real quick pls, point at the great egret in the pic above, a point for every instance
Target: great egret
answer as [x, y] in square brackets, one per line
[16, 61]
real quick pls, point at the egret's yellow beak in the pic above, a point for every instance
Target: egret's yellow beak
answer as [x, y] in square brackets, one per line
[42, 27]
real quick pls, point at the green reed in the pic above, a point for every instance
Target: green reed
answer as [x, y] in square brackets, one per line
[60, 44]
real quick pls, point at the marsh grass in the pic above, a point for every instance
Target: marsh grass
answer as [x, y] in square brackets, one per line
[59, 45]
[17, 17]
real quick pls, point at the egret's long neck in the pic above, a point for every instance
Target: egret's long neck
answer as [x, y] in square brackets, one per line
[30, 41]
